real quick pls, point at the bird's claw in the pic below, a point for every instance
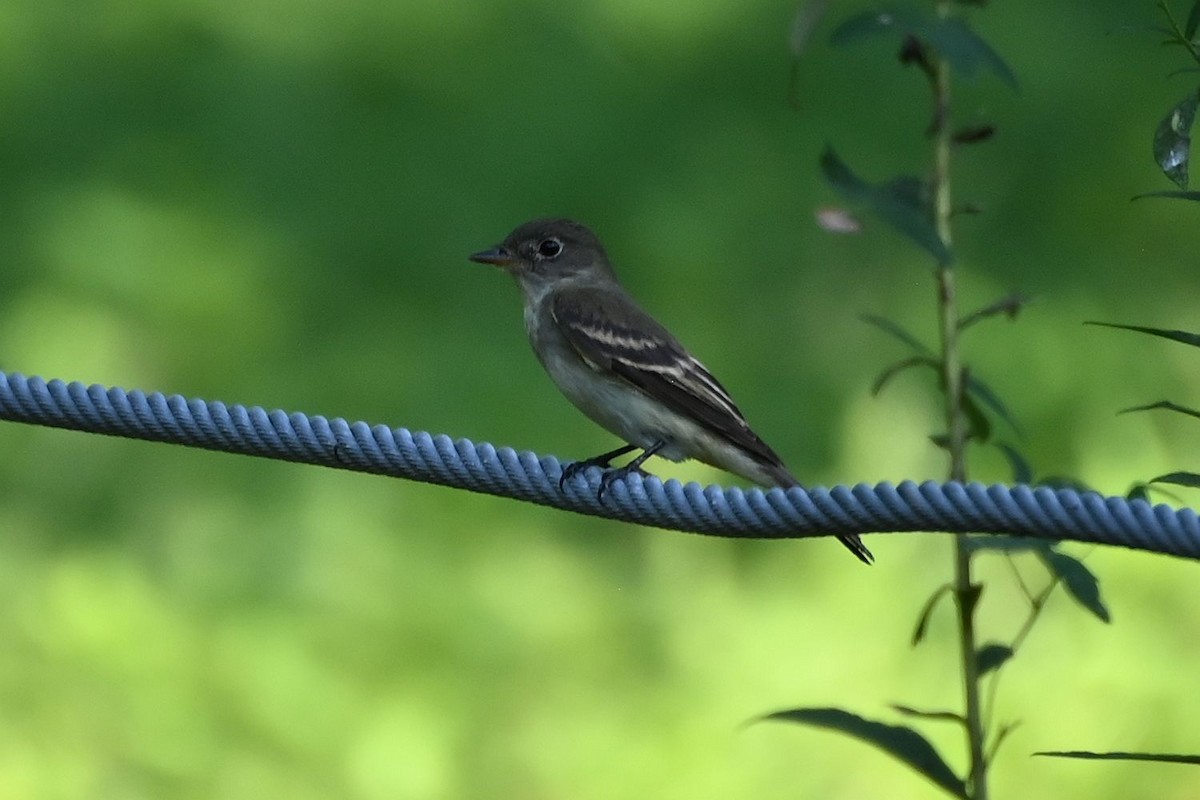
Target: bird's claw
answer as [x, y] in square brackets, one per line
[573, 469]
[603, 460]
[620, 474]
[606, 480]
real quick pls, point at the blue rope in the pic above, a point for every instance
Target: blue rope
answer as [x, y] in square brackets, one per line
[1019, 510]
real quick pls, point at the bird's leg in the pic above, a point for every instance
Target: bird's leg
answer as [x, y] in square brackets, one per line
[602, 461]
[633, 466]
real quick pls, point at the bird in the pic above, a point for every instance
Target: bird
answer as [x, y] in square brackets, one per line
[622, 368]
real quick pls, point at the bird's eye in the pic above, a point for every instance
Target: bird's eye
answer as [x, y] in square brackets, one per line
[549, 248]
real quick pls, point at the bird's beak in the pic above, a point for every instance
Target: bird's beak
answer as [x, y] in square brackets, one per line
[498, 257]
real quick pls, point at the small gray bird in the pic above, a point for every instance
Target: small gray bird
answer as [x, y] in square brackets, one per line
[622, 368]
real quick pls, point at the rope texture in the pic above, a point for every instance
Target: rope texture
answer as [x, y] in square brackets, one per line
[799, 512]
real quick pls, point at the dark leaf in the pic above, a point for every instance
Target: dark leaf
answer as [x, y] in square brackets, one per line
[979, 427]
[1009, 306]
[1184, 337]
[974, 134]
[892, 371]
[1189, 479]
[887, 326]
[911, 191]
[1193, 21]
[1163, 758]
[885, 203]
[981, 392]
[944, 716]
[1021, 471]
[913, 51]
[926, 611]
[1078, 580]
[1173, 139]
[965, 51]
[991, 656]
[1162, 404]
[902, 743]
[1174, 195]
[1001, 735]
[1139, 491]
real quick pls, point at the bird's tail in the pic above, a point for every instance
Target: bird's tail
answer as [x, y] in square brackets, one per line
[853, 543]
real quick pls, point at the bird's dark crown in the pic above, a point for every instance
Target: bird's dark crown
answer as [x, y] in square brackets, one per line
[548, 250]
[552, 239]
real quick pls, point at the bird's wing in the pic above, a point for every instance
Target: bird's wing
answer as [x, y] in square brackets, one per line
[612, 333]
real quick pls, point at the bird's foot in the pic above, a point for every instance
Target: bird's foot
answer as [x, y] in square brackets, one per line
[611, 475]
[619, 474]
[603, 461]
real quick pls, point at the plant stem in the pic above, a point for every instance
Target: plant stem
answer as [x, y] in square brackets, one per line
[1180, 38]
[966, 593]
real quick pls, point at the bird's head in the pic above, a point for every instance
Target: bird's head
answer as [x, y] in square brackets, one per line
[545, 251]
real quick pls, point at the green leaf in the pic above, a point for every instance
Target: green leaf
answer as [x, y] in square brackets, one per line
[1009, 306]
[1139, 491]
[991, 656]
[1162, 404]
[941, 716]
[1173, 139]
[965, 51]
[901, 743]
[1001, 735]
[887, 204]
[1175, 195]
[1162, 758]
[1079, 581]
[975, 134]
[887, 326]
[1021, 471]
[979, 427]
[1189, 479]
[983, 393]
[1183, 337]
[884, 377]
[1193, 21]
[926, 611]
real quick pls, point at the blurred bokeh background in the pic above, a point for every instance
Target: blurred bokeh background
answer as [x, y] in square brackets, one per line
[271, 203]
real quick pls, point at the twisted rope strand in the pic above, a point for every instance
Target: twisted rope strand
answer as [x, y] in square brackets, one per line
[731, 512]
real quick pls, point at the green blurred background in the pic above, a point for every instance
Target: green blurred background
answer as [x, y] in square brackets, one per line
[271, 203]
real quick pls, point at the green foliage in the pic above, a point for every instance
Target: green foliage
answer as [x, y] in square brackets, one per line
[992, 656]
[900, 742]
[1186, 479]
[894, 202]
[1172, 141]
[950, 37]
[1161, 758]
[1182, 337]
[936, 41]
